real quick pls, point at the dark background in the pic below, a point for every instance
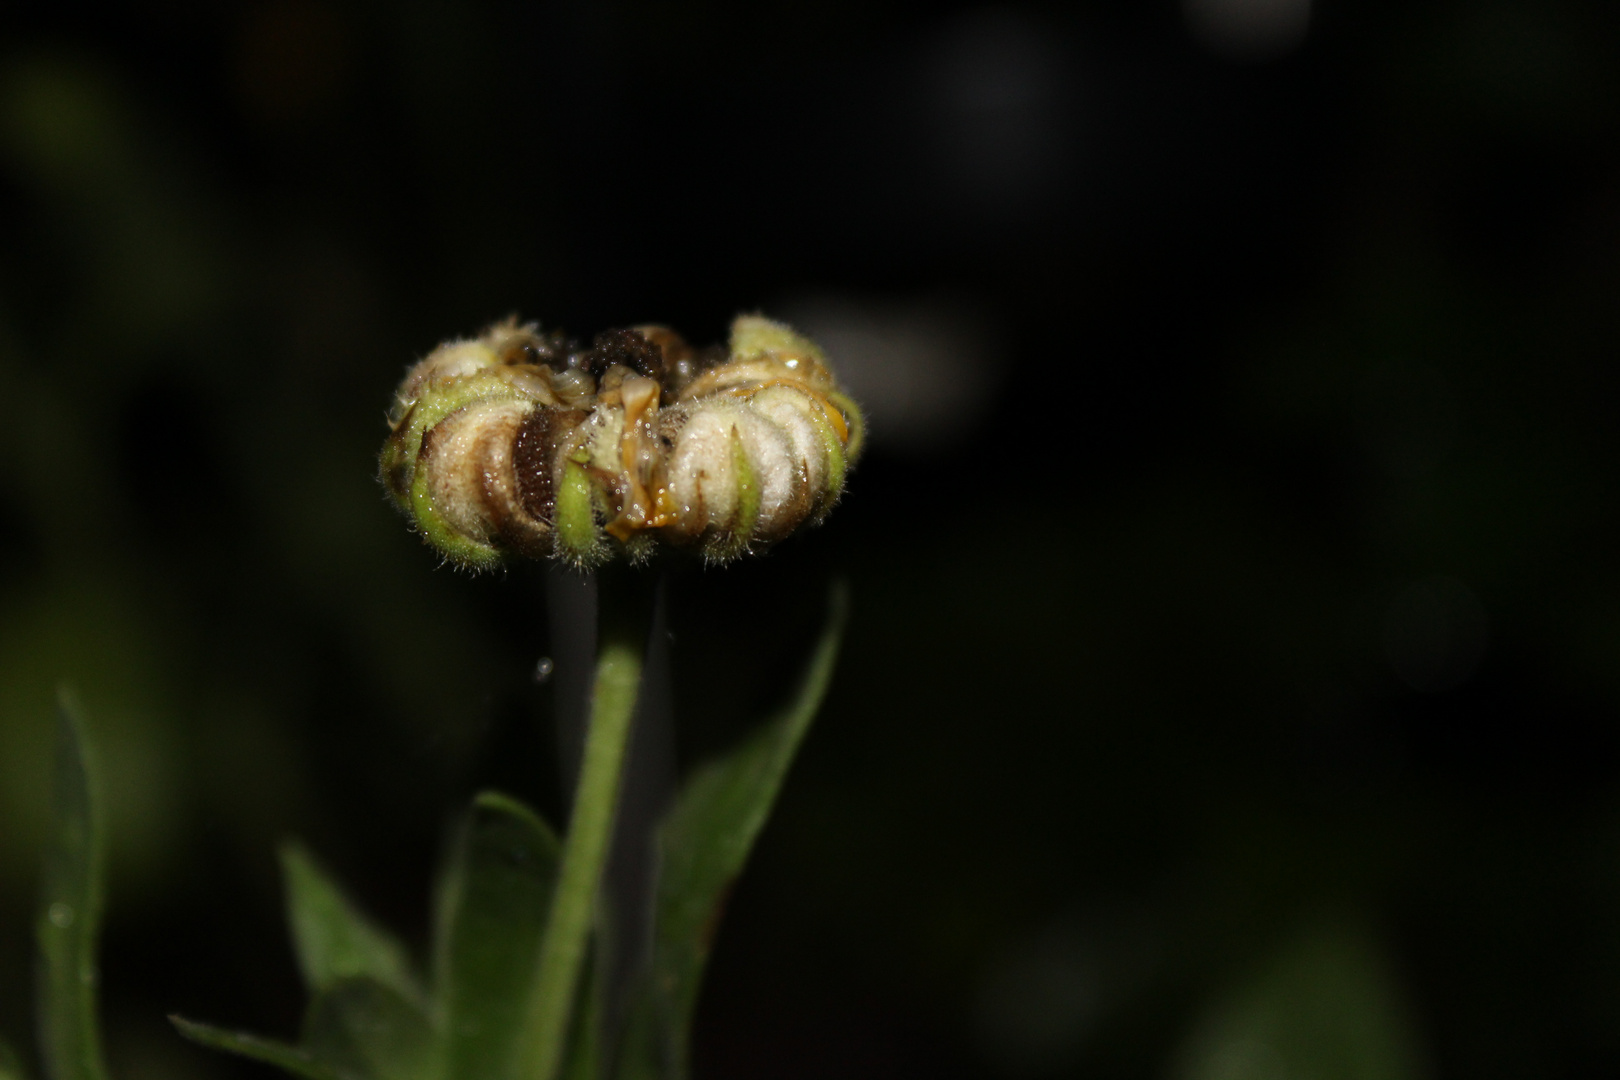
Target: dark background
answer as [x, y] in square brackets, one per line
[1233, 683]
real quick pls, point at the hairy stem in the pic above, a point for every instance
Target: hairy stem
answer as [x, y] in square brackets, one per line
[590, 828]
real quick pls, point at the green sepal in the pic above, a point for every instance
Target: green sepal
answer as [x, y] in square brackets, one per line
[734, 541]
[641, 548]
[361, 1027]
[291, 1059]
[405, 445]
[69, 920]
[10, 1066]
[705, 841]
[837, 462]
[333, 940]
[397, 466]
[459, 548]
[493, 905]
[466, 553]
[578, 539]
[755, 335]
[855, 419]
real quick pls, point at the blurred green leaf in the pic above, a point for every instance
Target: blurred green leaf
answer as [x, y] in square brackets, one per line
[707, 838]
[643, 1051]
[583, 1060]
[10, 1067]
[70, 910]
[332, 938]
[365, 1028]
[1324, 1007]
[493, 906]
[270, 1051]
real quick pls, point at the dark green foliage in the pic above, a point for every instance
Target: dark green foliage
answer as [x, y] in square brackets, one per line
[332, 938]
[711, 830]
[10, 1067]
[70, 912]
[493, 906]
[294, 1060]
[1324, 1005]
[362, 1027]
[369, 1018]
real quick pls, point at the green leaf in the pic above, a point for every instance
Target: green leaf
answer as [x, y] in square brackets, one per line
[361, 1027]
[70, 910]
[644, 1052]
[10, 1067]
[288, 1058]
[708, 835]
[332, 938]
[1325, 1006]
[493, 908]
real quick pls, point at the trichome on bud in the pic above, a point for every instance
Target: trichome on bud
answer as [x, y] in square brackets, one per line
[518, 443]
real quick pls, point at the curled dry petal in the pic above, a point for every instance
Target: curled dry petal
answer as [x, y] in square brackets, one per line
[517, 443]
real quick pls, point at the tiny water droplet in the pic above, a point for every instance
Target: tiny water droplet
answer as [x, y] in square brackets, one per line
[61, 915]
[543, 670]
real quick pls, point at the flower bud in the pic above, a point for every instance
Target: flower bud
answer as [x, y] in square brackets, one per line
[517, 443]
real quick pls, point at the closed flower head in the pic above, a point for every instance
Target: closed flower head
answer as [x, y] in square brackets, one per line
[520, 443]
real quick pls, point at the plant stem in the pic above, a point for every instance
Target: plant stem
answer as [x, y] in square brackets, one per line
[630, 879]
[590, 828]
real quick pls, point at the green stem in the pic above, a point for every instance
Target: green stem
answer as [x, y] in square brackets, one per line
[590, 828]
